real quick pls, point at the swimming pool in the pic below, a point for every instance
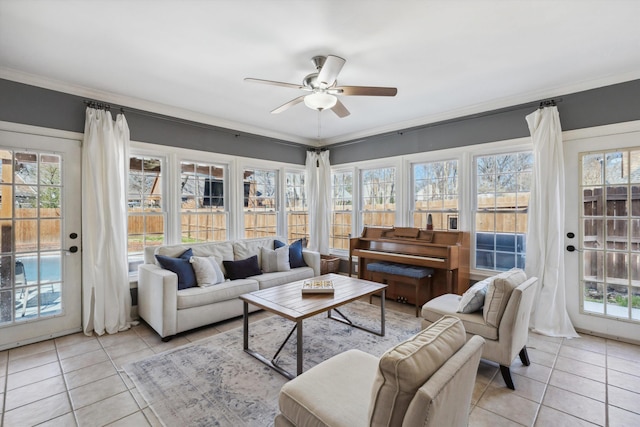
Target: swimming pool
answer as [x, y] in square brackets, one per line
[50, 268]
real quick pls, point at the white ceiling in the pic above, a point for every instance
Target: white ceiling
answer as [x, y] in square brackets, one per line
[447, 58]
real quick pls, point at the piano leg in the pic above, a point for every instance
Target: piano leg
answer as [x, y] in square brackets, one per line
[450, 281]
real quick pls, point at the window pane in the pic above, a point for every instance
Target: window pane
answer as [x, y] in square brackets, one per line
[260, 202]
[145, 206]
[203, 217]
[503, 184]
[378, 197]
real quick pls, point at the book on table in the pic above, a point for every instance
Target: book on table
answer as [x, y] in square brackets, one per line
[317, 287]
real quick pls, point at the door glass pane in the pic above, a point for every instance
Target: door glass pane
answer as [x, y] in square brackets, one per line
[592, 201]
[6, 201]
[616, 171]
[593, 233]
[592, 169]
[50, 234]
[594, 297]
[593, 262]
[616, 201]
[617, 234]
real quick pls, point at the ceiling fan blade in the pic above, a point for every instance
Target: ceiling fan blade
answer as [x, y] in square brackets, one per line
[288, 105]
[330, 70]
[340, 110]
[274, 83]
[366, 90]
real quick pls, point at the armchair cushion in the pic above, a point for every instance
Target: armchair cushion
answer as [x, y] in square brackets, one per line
[473, 299]
[403, 369]
[498, 294]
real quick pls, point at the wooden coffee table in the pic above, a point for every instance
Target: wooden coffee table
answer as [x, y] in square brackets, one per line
[288, 301]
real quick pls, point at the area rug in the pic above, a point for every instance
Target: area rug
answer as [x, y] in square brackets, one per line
[213, 382]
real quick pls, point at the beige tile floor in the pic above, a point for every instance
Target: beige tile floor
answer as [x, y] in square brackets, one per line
[77, 380]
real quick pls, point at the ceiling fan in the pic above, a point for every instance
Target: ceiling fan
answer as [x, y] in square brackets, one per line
[324, 88]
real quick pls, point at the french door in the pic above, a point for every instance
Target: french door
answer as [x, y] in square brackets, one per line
[40, 261]
[603, 213]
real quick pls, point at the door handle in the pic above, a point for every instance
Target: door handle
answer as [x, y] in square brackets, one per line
[572, 248]
[71, 250]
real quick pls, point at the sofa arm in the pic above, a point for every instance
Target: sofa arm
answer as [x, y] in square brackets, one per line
[312, 259]
[158, 298]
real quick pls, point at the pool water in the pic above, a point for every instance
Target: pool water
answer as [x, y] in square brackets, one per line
[50, 268]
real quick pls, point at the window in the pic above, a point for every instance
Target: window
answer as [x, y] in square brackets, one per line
[260, 203]
[296, 206]
[378, 208]
[435, 193]
[146, 215]
[341, 209]
[203, 217]
[502, 196]
[610, 233]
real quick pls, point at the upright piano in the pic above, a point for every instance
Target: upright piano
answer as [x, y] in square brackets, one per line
[447, 252]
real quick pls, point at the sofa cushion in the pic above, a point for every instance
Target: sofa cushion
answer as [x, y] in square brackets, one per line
[275, 260]
[207, 270]
[473, 299]
[403, 369]
[269, 280]
[295, 252]
[498, 294]
[221, 250]
[446, 305]
[243, 249]
[198, 296]
[243, 268]
[181, 266]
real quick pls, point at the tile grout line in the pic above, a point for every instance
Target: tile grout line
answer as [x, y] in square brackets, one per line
[546, 384]
[606, 382]
[4, 394]
[66, 384]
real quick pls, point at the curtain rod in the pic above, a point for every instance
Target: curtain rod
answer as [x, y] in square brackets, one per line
[540, 104]
[100, 105]
[237, 134]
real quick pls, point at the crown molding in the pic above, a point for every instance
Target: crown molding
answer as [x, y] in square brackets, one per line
[163, 109]
[144, 105]
[484, 107]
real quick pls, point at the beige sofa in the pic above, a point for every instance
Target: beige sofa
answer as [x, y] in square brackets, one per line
[170, 311]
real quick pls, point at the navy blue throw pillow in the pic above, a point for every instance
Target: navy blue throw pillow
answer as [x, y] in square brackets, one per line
[182, 267]
[295, 253]
[243, 268]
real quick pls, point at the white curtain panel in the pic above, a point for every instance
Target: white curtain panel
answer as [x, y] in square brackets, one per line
[319, 192]
[545, 237]
[106, 298]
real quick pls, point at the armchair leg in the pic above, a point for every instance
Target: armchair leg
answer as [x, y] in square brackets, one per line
[524, 356]
[506, 375]
[167, 338]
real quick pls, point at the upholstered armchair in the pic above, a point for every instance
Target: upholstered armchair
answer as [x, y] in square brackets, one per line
[503, 321]
[426, 380]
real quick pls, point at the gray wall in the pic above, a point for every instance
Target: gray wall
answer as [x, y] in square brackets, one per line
[32, 105]
[602, 106]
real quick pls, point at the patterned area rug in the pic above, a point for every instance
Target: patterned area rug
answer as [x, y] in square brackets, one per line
[213, 382]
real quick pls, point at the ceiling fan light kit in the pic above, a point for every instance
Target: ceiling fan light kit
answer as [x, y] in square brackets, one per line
[320, 101]
[324, 88]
